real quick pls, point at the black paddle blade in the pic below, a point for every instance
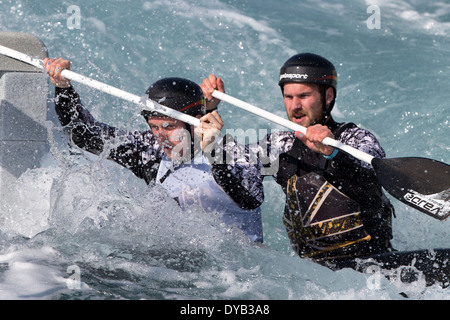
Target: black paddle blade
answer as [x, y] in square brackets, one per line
[421, 183]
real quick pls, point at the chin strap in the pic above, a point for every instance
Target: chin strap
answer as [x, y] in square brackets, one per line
[326, 111]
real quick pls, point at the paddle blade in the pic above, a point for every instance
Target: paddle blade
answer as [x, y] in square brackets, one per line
[421, 183]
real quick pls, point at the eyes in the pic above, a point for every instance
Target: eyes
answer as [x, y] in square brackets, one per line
[166, 127]
[158, 125]
[301, 96]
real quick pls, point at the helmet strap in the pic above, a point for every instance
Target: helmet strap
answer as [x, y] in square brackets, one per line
[326, 112]
[189, 129]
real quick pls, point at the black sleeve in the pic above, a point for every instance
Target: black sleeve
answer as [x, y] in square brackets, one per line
[85, 131]
[135, 151]
[238, 174]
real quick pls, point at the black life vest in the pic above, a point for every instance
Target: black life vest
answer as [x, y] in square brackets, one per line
[331, 212]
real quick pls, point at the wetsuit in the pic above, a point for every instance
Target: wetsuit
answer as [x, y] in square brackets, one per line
[334, 208]
[233, 189]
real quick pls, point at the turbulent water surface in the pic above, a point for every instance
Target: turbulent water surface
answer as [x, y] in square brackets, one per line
[82, 227]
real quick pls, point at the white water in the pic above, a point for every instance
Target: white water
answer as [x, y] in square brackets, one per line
[129, 240]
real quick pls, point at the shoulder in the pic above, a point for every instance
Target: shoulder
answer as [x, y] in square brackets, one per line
[363, 140]
[357, 134]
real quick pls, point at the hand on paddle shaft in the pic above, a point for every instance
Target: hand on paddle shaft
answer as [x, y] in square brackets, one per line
[209, 130]
[209, 85]
[314, 137]
[314, 134]
[54, 67]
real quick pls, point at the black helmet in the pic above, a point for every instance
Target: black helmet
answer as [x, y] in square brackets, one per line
[308, 68]
[179, 94]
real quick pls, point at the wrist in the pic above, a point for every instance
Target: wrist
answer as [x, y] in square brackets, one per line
[63, 89]
[211, 109]
[332, 155]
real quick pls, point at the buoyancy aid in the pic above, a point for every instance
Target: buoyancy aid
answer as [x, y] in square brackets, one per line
[320, 220]
[331, 213]
[193, 183]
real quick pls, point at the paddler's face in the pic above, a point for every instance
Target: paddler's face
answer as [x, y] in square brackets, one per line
[171, 135]
[303, 103]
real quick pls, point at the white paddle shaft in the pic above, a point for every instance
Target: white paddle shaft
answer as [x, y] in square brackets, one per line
[154, 106]
[146, 104]
[290, 125]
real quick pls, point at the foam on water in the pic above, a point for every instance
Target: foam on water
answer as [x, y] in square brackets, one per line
[130, 240]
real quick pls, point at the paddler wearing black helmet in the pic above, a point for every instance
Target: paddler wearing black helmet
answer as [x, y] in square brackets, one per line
[185, 96]
[334, 206]
[167, 154]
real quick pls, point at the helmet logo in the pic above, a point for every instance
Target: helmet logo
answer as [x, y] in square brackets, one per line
[303, 76]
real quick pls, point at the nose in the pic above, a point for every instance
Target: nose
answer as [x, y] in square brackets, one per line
[295, 103]
[160, 133]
